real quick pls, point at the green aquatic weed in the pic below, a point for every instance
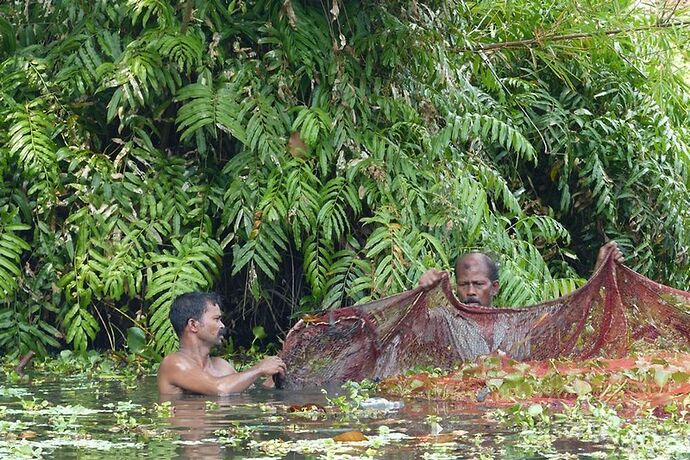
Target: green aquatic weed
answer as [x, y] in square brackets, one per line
[62, 424]
[236, 435]
[8, 426]
[124, 421]
[125, 406]
[164, 409]
[350, 404]
[13, 392]
[33, 404]
[434, 422]
[22, 450]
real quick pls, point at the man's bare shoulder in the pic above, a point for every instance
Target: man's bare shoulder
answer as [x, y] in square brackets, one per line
[171, 366]
[174, 363]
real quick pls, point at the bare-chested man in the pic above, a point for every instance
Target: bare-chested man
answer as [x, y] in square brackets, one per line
[477, 275]
[196, 320]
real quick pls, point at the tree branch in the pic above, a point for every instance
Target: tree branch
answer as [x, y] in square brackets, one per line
[574, 36]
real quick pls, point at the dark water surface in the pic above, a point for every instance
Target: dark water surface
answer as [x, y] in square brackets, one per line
[74, 418]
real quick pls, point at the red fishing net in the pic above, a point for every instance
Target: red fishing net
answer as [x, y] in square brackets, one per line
[616, 308]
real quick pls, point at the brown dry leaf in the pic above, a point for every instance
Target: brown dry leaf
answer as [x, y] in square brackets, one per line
[350, 436]
[290, 13]
[28, 434]
[438, 438]
[296, 146]
[309, 407]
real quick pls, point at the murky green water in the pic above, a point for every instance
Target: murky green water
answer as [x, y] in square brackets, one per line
[76, 418]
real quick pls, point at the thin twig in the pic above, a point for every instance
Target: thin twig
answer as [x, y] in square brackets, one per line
[574, 36]
[24, 361]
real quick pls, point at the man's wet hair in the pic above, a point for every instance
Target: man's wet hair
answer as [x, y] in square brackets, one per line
[491, 265]
[188, 306]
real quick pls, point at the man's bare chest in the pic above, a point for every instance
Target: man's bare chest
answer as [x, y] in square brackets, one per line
[213, 369]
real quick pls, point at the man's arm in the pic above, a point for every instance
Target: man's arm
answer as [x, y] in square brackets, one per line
[430, 279]
[610, 247]
[225, 368]
[181, 374]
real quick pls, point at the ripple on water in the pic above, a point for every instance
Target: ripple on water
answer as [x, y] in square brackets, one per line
[76, 417]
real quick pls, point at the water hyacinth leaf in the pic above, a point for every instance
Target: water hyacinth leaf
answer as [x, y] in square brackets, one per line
[259, 332]
[535, 410]
[581, 388]
[661, 376]
[136, 339]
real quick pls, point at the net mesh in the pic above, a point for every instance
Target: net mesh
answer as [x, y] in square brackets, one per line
[616, 308]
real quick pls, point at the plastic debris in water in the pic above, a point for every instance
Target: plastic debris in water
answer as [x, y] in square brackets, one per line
[381, 404]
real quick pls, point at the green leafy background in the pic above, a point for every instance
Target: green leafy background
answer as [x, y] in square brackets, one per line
[303, 155]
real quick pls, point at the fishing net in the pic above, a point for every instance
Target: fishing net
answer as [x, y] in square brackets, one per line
[616, 308]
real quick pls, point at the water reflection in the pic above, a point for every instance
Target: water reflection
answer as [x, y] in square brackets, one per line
[194, 427]
[206, 427]
[197, 419]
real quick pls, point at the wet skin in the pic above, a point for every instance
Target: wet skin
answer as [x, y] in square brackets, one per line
[193, 370]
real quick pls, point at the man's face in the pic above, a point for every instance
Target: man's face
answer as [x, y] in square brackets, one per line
[474, 284]
[211, 328]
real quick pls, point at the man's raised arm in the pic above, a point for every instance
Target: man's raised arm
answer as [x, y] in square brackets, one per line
[612, 248]
[430, 279]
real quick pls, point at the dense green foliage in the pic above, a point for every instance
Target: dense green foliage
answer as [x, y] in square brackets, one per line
[300, 155]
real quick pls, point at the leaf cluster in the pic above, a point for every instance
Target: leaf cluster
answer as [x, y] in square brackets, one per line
[300, 158]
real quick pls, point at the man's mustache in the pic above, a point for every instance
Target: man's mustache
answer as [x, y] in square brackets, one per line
[222, 332]
[470, 300]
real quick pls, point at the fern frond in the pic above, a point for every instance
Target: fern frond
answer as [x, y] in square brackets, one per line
[347, 268]
[81, 327]
[22, 329]
[310, 122]
[138, 76]
[596, 179]
[144, 10]
[491, 130]
[496, 185]
[396, 251]
[208, 107]
[242, 193]
[262, 249]
[337, 196]
[301, 185]
[191, 266]
[318, 256]
[559, 287]
[266, 127]
[119, 272]
[80, 70]
[531, 228]
[517, 290]
[183, 50]
[30, 139]
[12, 247]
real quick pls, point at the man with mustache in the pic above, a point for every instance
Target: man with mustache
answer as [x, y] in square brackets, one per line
[196, 318]
[477, 275]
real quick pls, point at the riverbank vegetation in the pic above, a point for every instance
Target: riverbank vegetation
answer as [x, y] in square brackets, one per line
[301, 155]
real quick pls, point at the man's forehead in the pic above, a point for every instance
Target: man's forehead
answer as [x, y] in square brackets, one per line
[212, 307]
[473, 264]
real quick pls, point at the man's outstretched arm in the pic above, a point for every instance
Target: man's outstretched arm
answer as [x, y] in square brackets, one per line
[181, 374]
